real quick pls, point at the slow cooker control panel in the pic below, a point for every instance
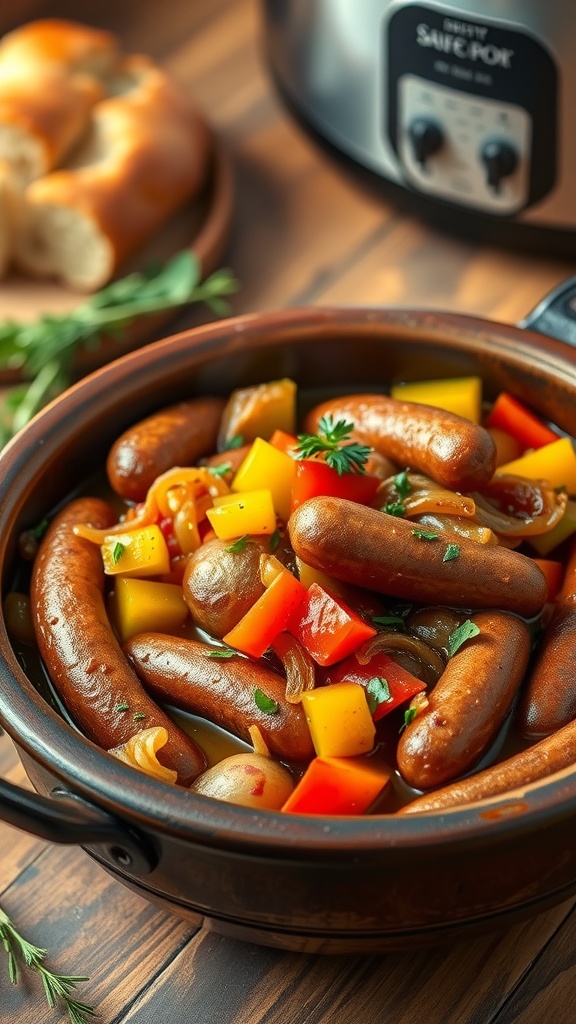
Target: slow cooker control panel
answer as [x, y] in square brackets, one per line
[471, 110]
[457, 146]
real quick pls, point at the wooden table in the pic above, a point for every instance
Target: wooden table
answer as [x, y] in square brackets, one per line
[303, 234]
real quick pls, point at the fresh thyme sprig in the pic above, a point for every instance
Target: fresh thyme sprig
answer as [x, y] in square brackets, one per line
[344, 458]
[56, 986]
[44, 349]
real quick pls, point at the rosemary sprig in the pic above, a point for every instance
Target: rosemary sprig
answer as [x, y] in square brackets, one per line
[328, 442]
[44, 350]
[56, 986]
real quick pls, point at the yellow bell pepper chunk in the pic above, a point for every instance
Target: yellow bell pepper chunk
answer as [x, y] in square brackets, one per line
[460, 395]
[141, 605]
[235, 515]
[555, 462]
[544, 543]
[267, 467]
[141, 552]
[339, 720]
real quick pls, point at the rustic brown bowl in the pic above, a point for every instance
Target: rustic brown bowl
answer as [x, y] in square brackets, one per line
[300, 883]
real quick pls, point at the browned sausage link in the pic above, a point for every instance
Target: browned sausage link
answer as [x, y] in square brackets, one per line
[380, 552]
[176, 436]
[456, 452]
[549, 701]
[549, 755]
[468, 704]
[85, 662]
[222, 690]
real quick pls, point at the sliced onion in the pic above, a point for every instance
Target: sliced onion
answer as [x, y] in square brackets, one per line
[538, 506]
[426, 495]
[270, 568]
[430, 664]
[140, 752]
[298, 665]
[258, 741]
[158, 502]
[460, 527]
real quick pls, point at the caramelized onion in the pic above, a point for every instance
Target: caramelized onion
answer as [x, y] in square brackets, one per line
[531, 507]
[140, 752]
[426, 663]
[434, 626]
[426, 495]
[459, 527]
[298, 666]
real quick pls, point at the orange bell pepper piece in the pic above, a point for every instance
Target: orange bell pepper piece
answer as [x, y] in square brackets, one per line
[268, 615]
[338, 785]
[510, 415]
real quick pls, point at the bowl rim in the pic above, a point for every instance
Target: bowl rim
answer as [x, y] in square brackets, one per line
[96, 775]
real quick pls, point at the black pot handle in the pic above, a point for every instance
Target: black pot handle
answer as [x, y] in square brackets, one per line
[555, 315]
[67, 818]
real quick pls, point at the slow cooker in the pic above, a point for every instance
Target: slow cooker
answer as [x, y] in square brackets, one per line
[466, 108]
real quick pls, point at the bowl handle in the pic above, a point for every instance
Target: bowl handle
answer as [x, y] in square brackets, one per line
[67, 818]
[555, 315]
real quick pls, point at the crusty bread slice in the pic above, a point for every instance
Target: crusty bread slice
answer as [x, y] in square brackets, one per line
[146, 153]
[51, 74]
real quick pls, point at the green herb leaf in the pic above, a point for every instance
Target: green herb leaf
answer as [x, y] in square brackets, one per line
[394, 508]
[452, 552]
[138, 716]
[409, 716]
[377, 693]
[389, 621]
[461, 634]
[265, 703]
[117, 551]
[425, 534]
[328, 442]
[402, 484]
[234, 442]
[238, 545]
[274, 541]
[221, 470]
[222, 653]
[122, 707]
[57, 987]
[44, 349]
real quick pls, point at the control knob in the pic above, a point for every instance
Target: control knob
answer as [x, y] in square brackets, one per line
[426, 138]
[500, 160]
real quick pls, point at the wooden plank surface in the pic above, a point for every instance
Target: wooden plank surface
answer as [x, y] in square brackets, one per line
[303, 233]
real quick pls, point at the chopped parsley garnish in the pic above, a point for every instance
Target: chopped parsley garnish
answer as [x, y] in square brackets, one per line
[461, 634]
[117, 551]
[425, 534]
[137, 716]
[265, 703]
[328, 442]
[452, 552]
[394, 508]
[238, 545]
[377, 693]
[274, 540]
[222, 653]
[390, 621]
[402, 484]
[234, 442]
[39, 530]
[221, 470]
[409, 716]
[122, 707]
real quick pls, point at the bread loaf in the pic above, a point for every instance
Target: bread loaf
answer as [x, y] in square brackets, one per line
[52, 73]
[145, 153]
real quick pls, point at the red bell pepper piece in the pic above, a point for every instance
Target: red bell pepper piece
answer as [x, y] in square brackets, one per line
[315, 478]
[510, 415]
[327, 627]
[338, 785]
[268, 615]
[401, 685]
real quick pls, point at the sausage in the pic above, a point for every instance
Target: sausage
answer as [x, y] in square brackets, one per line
[468, 704]
[182, 672]
[549, 699]
[176, 436]
[361, 545]
[459, 454]
[81, 653]
[549, 755]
